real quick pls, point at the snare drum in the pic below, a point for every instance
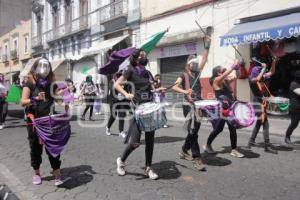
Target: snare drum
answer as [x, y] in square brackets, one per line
[241, 115]
[277, 105]
[210, 108]
[150, 116]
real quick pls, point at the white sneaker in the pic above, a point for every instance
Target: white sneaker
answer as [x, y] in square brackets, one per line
[208, 149]
[59, 181]
[120, 167]
[166, 126]
[122, 134]
[1, 127]
[150, 173]
[237, 154]
[108, 131]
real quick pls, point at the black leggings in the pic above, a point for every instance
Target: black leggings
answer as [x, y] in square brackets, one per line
[114, 112]
[218, 128]
[135, 138]
[295, 118]
[191, 140]
[265, 130]
[89, 101]
[36, 150]
[2, 111]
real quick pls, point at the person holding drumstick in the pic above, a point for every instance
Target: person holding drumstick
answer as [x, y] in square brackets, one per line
[257, 77]
[141, 79]
[189, 85]
[221, 85]
[294, 107]
[38, 99]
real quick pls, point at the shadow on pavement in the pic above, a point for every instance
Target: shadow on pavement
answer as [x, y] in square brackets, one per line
[78, 175]
[248, 153]
[19, 113]
[165, 139]
[167, 169]
[278, 147]
[213, 160]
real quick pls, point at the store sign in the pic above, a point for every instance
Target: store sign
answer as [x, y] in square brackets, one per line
[273, 33]
[178, 50]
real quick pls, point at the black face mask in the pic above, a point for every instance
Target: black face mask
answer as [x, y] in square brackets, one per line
[143, 61]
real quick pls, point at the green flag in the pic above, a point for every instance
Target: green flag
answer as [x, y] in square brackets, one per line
[151, 42]
[14, 94]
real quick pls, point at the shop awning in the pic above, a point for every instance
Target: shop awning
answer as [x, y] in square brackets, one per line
[56, 63]
[263, 30]
[28, 67]
[103, 46]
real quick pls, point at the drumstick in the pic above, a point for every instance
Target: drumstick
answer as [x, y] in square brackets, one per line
[200, 27]
[237, 50]
[195, 81]
[254, 59]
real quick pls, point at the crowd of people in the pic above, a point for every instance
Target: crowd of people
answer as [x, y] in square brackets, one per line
[135, 86]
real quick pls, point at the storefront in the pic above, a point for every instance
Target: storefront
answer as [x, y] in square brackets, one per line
[262, 36]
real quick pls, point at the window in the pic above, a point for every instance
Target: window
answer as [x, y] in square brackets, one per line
[15, 44]
[25, 44]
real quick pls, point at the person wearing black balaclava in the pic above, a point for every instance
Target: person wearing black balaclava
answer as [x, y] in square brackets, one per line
[294, 107]
[38, 100]
[142, 79]
[89, 90]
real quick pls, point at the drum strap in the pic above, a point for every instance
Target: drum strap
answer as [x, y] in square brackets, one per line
[264, 102]
[188, 86]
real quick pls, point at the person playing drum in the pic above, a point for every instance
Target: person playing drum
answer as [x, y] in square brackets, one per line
[38, 99]
[183, 84]
[259, 90]
[294, 107]
[221, 85]
[141, 79]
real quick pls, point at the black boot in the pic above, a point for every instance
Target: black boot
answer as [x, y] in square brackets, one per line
[268, 148]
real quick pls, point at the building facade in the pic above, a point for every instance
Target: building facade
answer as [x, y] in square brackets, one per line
[184, 37]
[15, 50]
[78, 35]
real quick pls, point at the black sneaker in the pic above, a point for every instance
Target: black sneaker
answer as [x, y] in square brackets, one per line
[287, 140]
[251, 143]
[91, 119]
[82, 118]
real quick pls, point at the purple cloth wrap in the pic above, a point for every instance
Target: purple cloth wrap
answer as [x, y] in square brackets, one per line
[54, 131]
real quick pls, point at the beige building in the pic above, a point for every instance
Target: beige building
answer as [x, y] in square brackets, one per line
[15, 50]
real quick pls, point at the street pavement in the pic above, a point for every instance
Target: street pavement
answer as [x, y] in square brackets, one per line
[89, 159]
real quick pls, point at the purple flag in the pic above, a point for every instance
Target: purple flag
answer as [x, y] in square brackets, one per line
[115, 60]
[54, 131]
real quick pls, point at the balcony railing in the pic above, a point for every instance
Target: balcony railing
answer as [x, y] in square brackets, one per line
[14, 55]
[4, 58]
[75, 26]
[113, 10]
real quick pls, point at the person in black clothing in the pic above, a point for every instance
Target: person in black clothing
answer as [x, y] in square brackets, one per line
[256, 81]
[189, 85]
[294, 107]
[221, 85]
[89, 90]
[117, 107]
[142, 81]
[38, 99]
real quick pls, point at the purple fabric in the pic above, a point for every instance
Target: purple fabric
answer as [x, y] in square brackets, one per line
[255, 72]
[116, 59]
[42, 82]
[140, 70]
[54, 131]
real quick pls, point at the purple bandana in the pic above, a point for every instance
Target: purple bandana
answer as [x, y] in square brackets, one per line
[140, 70]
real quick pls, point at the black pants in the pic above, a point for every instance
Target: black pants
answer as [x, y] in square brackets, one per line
[36, 150]
[191, 140]
[135, 138]
[259, 111]
[89, 101]
[114, 112]
[2, 112]
[219, 128]
[295, 118]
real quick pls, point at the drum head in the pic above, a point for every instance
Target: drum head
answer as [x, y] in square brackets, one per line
[277, 100]
[244, 113]
[147, 108]
[205, 103]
